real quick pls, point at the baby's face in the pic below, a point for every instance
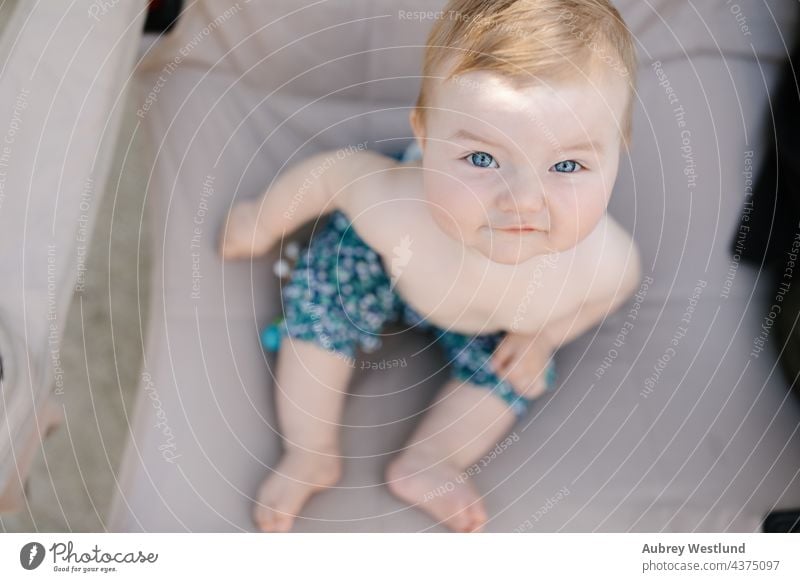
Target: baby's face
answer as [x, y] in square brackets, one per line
[499, 157]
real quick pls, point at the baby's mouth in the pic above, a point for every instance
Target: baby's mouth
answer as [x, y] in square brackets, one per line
[518, 230]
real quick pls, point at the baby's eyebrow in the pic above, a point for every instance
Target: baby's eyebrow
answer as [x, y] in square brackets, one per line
[585, 146]
[464, 134]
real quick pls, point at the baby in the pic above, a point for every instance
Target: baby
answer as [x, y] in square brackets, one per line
[497, 240]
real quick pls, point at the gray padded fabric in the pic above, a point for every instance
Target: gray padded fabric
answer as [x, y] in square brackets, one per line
[62, 80]
[712, 445]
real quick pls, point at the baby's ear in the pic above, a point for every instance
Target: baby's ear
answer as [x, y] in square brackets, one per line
[417, 126]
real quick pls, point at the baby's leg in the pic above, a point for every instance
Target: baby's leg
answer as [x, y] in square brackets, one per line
[464, 422]
[309, 393]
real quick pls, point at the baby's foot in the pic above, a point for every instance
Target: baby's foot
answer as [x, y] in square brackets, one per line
[439, 489]
[298, 476]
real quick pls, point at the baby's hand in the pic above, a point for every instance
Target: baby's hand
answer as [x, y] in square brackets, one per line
[522, 360]
[243, 235]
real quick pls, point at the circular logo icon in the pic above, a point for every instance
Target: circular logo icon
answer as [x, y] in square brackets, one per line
[31, 555]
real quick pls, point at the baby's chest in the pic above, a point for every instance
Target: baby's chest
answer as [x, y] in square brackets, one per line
[523, 302]
[455, 291]
[442, 281]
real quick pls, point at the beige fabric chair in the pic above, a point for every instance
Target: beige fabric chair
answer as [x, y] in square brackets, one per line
[64, 68]
[707, 440]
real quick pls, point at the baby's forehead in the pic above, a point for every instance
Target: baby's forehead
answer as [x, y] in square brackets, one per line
[489, 96]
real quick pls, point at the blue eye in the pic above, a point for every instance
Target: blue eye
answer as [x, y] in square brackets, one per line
[482, 160]
[567, 166]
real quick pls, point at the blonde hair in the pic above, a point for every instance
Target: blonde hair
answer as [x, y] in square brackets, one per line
[530, 40]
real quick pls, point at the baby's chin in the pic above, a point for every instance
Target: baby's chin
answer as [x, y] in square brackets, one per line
[510, 254]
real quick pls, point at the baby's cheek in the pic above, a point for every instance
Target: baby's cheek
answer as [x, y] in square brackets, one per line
[574, 219]
[445, 214]
[585, 218]
[590, 214]
[449, 205]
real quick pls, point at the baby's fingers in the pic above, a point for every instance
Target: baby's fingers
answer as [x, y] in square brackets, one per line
[502, 358]
[534, 389]
[534, 381]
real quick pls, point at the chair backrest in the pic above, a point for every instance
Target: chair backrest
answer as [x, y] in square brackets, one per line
[336, 72]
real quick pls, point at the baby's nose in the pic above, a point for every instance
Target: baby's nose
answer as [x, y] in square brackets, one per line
[524, 197]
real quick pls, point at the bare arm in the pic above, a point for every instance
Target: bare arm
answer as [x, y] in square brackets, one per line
[522, 358]
[592, 312]
[315, 186]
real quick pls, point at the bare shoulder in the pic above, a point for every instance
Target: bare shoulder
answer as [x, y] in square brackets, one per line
[613, 259]
[358, 178]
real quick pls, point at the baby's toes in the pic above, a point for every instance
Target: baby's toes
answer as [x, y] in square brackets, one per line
[468, 522]
[470, 519]
[271, 520]
[477, 518]
[284, 522]
[464, 519]
[280, 522]
[459, 522]
[264, 518]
